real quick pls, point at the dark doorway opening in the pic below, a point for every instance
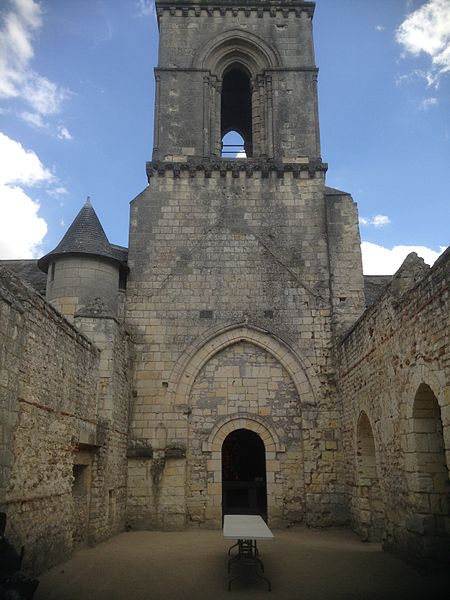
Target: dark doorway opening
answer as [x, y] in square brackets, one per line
[244, 489]
[236, 111]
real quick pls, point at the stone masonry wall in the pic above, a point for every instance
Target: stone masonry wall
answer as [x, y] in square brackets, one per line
[284, 89]
[246, 380]
[346, 273]
[394, 384]
[108, 504]
[62, 459]
[211, 253]
[78, 281]
[53, 374]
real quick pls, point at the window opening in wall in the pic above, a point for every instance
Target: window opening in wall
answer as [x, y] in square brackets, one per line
[236, 107]
[244, 474]
[52, 272]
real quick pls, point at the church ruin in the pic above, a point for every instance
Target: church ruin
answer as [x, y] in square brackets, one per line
[233, 358]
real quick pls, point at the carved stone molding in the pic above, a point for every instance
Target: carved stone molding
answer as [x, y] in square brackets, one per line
[235, 166]
[198, 8]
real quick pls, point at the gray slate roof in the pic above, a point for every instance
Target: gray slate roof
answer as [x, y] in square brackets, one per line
[84, 236]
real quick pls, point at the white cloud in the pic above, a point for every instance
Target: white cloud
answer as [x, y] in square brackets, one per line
[64, 133]
[427, 30]
[145, 7]
[57, 192]
[43, 95]
[21, 229]
[33, 119]
[380, 28]
[378, 260]
[20, 166]
[377, 221]
[17, 78]
[429, 103]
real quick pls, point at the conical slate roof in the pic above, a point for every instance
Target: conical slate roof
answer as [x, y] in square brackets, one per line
[84, 236]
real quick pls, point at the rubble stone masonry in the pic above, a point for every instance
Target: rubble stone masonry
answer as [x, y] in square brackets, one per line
[62, 461]
[394, 385]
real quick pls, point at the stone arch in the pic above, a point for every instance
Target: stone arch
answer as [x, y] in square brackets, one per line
[256, 424]
[418, 375]
[427, 467]
[236, 45]
[241, 51]
[369, 510]
[214, 444]
[196, 356]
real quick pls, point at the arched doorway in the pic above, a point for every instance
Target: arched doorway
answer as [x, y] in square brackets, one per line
[244, 474]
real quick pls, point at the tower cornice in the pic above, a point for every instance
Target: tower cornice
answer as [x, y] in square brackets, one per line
[246, 6]
[236, 166]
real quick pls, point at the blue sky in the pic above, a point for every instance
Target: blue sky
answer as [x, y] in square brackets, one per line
[76, 118]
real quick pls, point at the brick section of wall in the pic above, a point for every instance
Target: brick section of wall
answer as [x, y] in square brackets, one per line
[401, 344]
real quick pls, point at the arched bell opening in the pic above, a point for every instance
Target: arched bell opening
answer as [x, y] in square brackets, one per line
[236, 107]
[244, 488]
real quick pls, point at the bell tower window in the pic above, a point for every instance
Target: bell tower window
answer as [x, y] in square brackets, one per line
[236, 109]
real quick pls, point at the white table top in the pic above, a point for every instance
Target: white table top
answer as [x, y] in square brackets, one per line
[245, 527]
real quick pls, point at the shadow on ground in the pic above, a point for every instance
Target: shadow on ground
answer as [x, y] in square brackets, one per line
[191, 565]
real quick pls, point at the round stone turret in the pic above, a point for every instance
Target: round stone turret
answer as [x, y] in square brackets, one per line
[84, 270]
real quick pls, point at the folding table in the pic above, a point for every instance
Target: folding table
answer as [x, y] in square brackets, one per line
[246, 530]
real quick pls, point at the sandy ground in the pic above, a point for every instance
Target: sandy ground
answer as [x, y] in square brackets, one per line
[191, 565]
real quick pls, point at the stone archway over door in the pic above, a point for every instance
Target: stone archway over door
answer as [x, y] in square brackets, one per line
[214, 446]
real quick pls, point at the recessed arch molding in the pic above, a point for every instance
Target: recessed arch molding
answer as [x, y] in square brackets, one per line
[200, 352]
[251, 422]
[236, 46]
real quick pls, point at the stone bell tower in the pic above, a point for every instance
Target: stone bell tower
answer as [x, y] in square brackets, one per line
[242, 273]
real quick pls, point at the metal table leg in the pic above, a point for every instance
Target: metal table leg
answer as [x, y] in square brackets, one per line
[248, 555]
